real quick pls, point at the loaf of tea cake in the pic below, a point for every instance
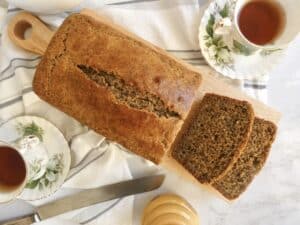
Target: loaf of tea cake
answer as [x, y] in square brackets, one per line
[250, 162]
[215, 137]
[119, 85]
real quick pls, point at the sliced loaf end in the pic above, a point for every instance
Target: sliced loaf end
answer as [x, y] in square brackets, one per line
[251, 161]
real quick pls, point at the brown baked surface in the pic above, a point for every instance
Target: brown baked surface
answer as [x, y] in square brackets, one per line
[250, 162]
[123, 88]
[215, 137]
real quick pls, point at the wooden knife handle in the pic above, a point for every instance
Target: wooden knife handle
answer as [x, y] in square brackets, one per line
[26, 220]
[36, 41]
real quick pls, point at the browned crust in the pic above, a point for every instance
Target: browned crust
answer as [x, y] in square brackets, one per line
[83, 40]
[265, 150]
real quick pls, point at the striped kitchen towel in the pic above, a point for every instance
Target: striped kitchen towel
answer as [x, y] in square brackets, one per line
[170, 24]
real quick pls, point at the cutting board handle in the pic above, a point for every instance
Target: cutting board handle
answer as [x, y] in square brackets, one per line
[35, 41]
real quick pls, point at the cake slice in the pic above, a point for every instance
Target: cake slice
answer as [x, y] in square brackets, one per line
[215, 137]
[250, 162]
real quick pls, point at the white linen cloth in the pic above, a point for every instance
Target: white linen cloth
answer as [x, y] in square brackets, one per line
[170, 24]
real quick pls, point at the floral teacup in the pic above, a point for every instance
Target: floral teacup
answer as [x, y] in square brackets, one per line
[18, 154]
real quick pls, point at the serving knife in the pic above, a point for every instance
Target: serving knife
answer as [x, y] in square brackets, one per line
[90, 197]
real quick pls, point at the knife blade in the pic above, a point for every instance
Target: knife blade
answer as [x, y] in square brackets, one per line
[90, 197]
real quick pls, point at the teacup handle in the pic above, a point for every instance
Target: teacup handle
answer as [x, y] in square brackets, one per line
[25, 143]
[27, 147]
[40, 35]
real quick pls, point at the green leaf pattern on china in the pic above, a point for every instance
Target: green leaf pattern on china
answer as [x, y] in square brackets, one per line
[54, 169]
[225, 11]
[210, 25]
[216, 47]
[219, 51]
[239, 48]
[30, 129]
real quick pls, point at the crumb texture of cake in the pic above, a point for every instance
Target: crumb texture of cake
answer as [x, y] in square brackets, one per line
[128, 94]
[250, 162]
[119, 86]
[215, 137]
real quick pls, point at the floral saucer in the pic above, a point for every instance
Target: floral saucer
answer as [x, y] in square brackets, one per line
[48, 162]
[225, 53]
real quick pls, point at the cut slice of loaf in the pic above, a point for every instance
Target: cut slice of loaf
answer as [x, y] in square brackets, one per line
[250, 162]
[215, 137]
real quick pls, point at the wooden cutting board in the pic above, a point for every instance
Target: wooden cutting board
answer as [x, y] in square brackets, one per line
[41, 35]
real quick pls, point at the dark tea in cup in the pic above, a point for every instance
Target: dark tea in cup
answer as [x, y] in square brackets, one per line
[12, 169]
[261, 21]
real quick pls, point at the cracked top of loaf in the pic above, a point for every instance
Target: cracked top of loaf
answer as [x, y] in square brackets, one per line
[117, 84]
